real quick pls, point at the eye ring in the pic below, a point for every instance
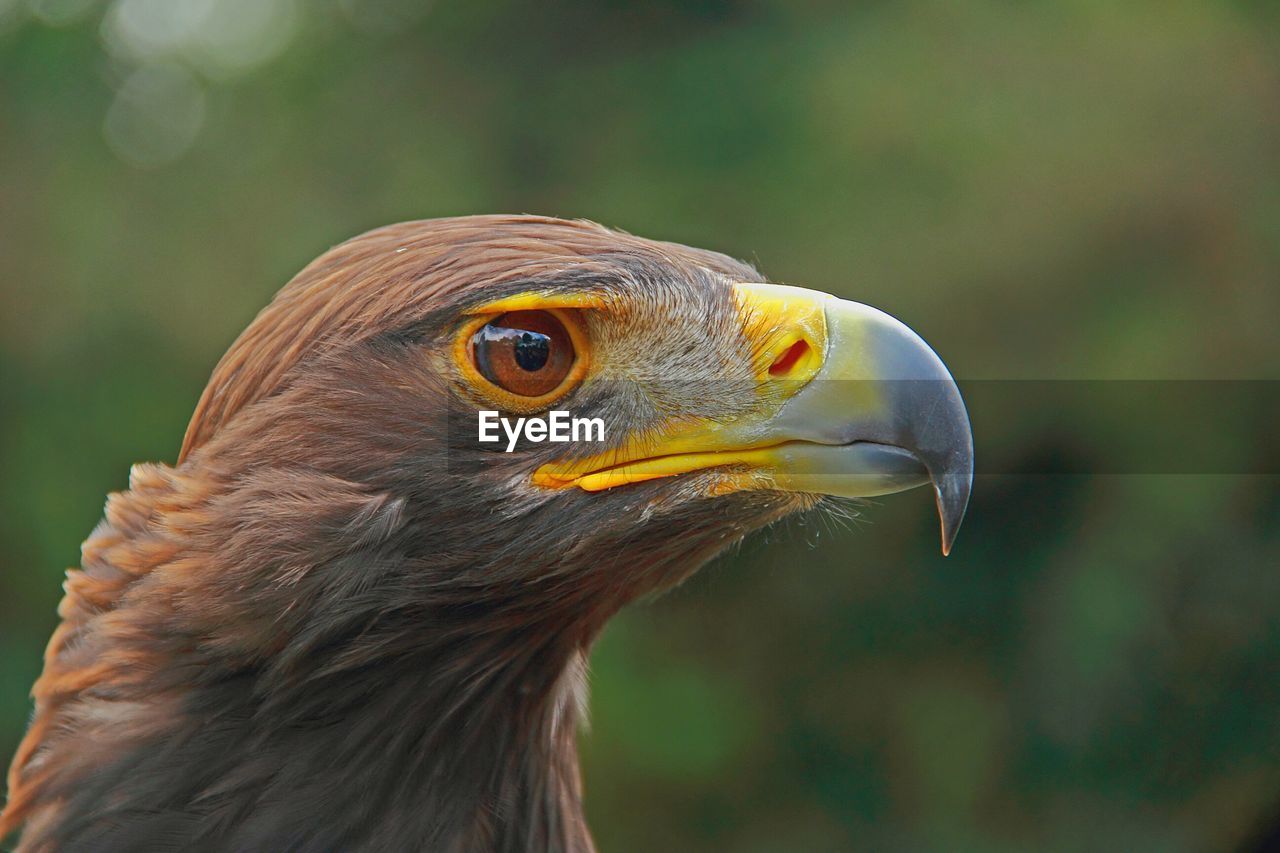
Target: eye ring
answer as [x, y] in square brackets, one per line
[465, 357]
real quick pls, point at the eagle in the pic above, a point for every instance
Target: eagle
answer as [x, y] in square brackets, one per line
[344, 621]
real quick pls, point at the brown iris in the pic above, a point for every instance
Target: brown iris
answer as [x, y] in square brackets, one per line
[527, 353]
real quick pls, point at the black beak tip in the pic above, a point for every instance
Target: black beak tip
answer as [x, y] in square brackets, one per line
[952, 494]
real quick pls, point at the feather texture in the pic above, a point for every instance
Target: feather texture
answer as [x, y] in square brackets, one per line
[339, 622]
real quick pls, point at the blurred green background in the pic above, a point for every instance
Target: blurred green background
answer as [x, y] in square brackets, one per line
[1073, 190]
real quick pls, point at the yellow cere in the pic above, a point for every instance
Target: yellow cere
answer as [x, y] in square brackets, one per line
[775, 318]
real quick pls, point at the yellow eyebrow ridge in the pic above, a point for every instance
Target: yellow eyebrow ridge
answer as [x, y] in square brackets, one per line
[540, 300]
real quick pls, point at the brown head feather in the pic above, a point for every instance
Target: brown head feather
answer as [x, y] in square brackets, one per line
[385, 278]
[338, 622]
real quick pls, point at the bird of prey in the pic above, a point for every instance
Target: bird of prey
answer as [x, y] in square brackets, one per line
[341, 621]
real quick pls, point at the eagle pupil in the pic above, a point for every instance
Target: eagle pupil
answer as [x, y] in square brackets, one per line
[532, 351]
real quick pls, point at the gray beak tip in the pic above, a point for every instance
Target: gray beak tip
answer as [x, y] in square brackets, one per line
[952, 495]
[948, 537]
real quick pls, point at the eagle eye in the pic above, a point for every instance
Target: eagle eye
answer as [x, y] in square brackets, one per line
[526, 353]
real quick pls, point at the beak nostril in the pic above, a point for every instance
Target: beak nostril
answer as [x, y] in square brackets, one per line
[782, 364]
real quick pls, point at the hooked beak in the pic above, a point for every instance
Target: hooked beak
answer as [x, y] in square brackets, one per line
[859, 405]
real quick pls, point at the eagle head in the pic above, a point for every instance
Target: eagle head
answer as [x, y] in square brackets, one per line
[356, 613]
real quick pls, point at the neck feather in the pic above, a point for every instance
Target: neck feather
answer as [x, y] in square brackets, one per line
[179, 701]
